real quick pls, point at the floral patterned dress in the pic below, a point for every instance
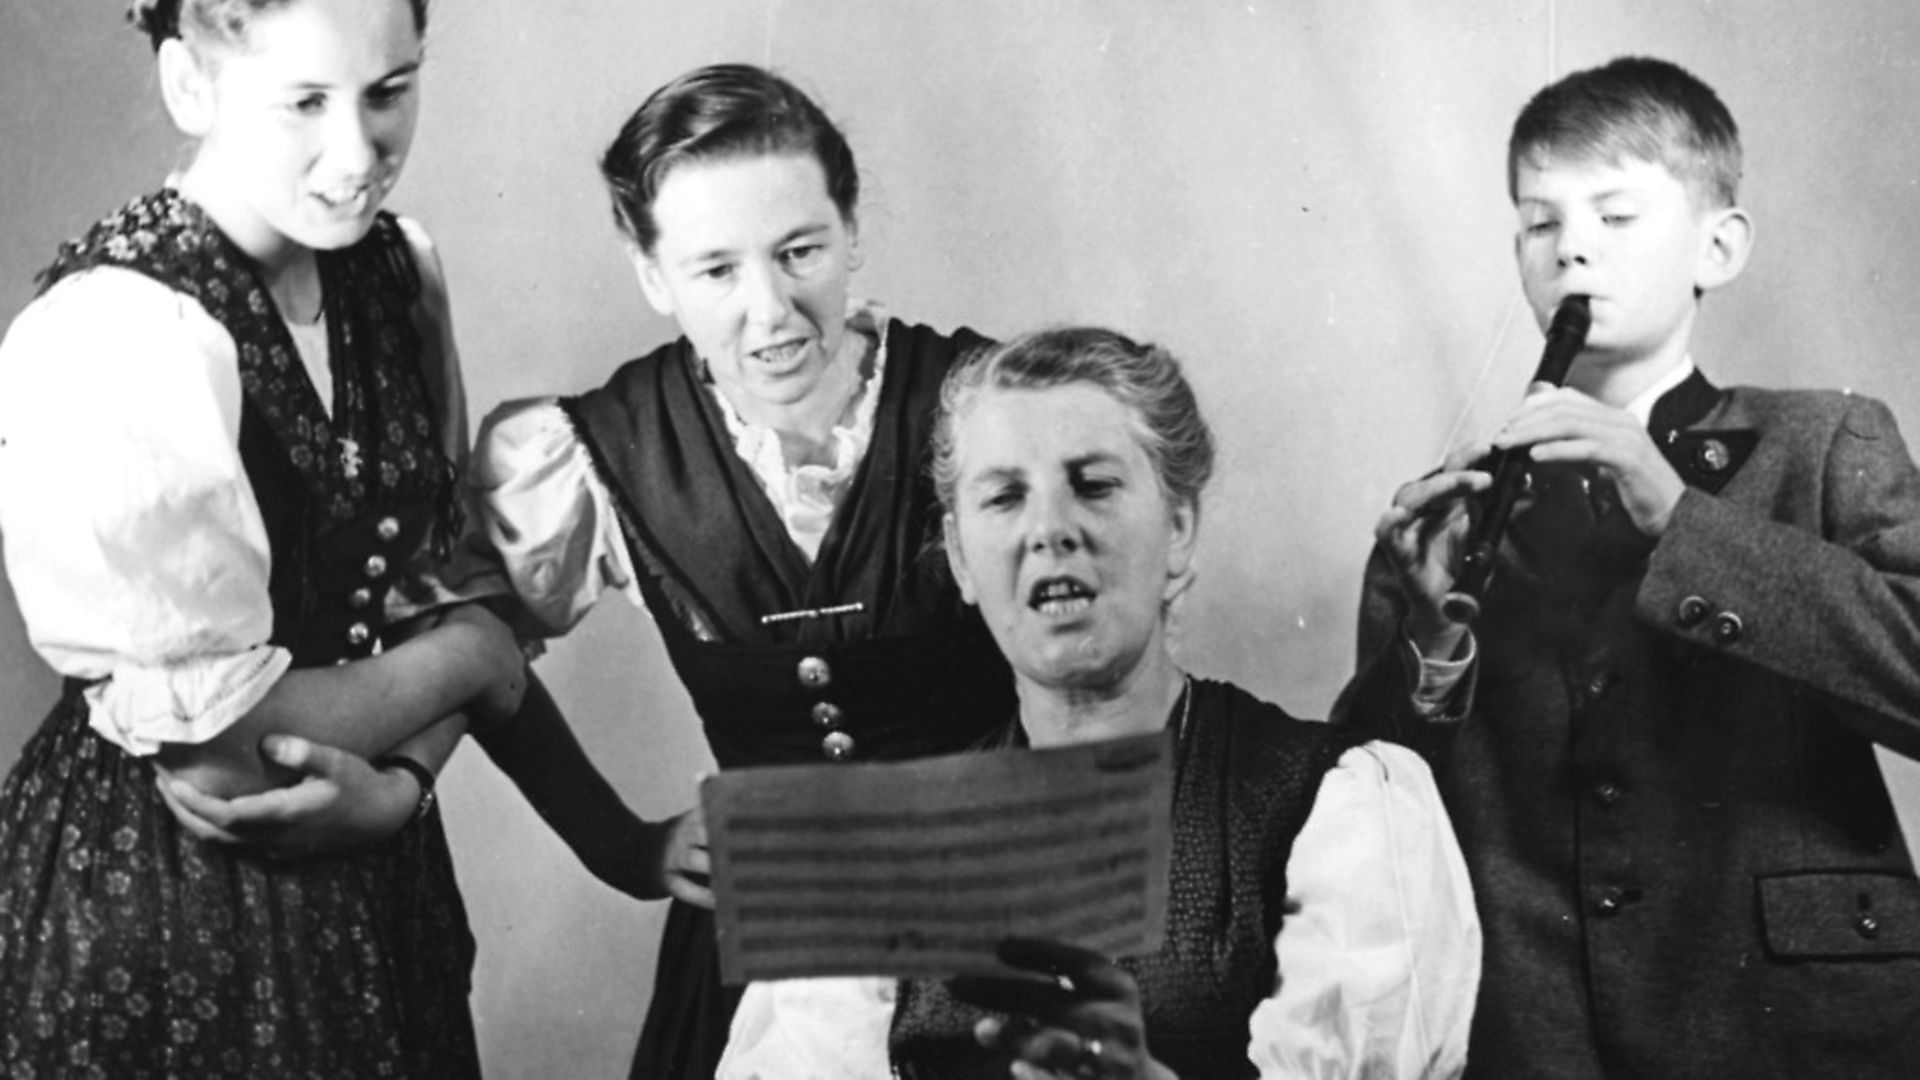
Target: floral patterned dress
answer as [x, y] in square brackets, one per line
[233, 527]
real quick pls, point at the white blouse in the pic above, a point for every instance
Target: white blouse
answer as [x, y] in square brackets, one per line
[132, 537]
[1378, 969]
[552, 521]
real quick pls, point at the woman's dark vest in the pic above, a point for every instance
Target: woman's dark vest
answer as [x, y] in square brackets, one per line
[347, 499]
[1247, 778]
[781, 664]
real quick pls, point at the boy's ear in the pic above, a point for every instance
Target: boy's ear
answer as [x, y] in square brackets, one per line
[186, 87]
[1729, 240]
[652, 282]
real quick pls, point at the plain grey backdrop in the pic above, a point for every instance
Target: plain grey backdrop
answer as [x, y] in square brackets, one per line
[1305, 199]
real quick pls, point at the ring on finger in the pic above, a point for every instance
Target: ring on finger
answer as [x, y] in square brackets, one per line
[1092, 1061]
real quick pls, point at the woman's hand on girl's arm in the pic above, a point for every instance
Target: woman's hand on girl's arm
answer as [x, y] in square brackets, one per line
[340, 803]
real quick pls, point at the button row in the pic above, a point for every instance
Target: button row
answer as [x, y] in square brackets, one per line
[815, 673]
[387, 529]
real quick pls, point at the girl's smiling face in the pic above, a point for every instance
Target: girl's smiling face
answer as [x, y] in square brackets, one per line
[304, 122]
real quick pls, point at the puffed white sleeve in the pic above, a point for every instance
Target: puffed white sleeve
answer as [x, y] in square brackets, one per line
[471, 572]
[546, 515]
[1380, 964]
[135, 547]
[811, 1029]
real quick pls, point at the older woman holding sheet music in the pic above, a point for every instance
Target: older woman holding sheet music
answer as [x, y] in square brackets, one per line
[1320, 919]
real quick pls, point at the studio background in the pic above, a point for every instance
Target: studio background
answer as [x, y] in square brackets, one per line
[1304, 199]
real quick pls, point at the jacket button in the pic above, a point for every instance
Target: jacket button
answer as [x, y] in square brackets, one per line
[357, 634]
[359, 598]
[1608, 903]
[1598, 686]
[1867, 927]
[827, 715]
[1606, 793]
[387, 528]
[837, 746]
[1727, 628]
[1692, 610]
[376, 565]
[814, 673]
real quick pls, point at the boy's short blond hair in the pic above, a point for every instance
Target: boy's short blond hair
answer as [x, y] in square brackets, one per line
[1634, 107]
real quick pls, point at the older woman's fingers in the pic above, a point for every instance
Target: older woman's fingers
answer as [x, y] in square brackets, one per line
[1066, 979]
[1045, 1045]
[1089, 973]
[998, 1032]
[1012, 994]
[1057, 1049]
[1063, 975]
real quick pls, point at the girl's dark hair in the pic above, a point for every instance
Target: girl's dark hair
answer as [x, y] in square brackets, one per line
[219, 20]
[716, 113]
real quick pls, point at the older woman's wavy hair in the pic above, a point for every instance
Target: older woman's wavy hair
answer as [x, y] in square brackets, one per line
[1143, 377]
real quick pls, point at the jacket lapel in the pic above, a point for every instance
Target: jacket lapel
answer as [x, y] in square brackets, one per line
[1706, 458]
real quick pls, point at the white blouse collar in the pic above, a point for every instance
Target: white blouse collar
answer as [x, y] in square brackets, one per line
[806, 495]
[1641, 407]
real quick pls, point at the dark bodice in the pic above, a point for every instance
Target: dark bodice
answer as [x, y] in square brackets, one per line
[347, 499]
[866, 652]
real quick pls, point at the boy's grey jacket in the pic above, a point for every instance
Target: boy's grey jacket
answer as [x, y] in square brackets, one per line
[1684, 856]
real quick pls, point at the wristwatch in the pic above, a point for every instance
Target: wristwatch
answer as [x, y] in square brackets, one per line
[420, 772]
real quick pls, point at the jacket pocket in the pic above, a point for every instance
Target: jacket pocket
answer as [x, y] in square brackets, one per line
[1842, 915]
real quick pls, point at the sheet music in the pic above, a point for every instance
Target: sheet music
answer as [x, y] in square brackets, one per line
[921, 868]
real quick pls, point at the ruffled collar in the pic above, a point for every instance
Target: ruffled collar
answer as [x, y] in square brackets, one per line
[806, 495]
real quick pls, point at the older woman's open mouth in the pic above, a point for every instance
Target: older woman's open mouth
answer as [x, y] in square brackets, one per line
[1060, 596]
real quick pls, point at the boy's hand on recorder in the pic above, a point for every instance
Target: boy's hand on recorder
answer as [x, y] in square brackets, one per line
[1424, 535]
[1567, 426]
